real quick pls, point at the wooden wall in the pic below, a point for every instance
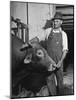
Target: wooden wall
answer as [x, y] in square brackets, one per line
[33, 14]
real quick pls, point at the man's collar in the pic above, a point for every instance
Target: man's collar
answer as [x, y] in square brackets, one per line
[57, 30]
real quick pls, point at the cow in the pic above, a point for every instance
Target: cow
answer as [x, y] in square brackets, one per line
[31, 67]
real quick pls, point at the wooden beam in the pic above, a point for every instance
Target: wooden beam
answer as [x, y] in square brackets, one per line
[68, 19]
[67, 25]
[68, 29]
[65, 6]
[68, 22]
[65, 11]
[68, 14]
[27, 30]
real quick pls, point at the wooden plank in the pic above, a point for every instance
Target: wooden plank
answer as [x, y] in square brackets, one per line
[69, 19]
[65, 11]
[68, 14]
[27, 31]
[64, 28]
[68, 23]
[68, 27]
[64, 6]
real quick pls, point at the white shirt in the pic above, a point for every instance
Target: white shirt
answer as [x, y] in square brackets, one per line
[64, 36]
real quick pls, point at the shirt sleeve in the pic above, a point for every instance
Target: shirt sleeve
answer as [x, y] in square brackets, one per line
[64, 41]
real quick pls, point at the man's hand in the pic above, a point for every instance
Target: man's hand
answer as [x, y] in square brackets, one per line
[62, 58]
[59, 64]
[52, 66]
[53, 63]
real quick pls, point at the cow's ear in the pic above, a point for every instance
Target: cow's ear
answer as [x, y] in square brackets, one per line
[25, 47]
[34, 40]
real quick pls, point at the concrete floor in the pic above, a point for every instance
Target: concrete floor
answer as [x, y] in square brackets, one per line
[68, 79]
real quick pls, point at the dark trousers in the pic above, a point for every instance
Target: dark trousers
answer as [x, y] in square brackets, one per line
[59, 77]
[51, 83]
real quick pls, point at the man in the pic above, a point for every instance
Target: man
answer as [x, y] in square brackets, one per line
[57, 47]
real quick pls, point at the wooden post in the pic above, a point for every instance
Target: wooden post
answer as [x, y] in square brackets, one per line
[22, 34]
[27, 30]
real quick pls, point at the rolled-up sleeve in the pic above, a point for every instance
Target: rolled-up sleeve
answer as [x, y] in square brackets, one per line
[64, 41]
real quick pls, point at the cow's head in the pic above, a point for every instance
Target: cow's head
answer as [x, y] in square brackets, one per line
[35, 53]
[33, 49]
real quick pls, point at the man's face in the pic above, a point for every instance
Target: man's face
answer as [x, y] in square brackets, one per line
[57, 23]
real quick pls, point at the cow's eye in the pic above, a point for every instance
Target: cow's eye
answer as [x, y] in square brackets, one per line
[40, 53]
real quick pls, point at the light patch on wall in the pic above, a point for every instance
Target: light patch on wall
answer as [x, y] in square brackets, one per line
[37, 16]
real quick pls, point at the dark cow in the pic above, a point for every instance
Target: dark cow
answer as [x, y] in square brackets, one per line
[31, 66]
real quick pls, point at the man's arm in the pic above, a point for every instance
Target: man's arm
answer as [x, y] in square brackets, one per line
[62, 58]
[65, 48]
[64, 55]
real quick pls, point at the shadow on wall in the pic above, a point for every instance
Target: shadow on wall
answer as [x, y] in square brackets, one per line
[48, 24]
[70, 56]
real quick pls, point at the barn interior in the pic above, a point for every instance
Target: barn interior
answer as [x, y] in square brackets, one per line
[35, 16]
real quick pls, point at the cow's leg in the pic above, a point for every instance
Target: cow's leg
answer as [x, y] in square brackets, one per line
[43, 92]
[25, 93]
[51, 84]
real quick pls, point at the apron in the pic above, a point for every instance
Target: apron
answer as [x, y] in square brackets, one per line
[54, 46]
[54, 49]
